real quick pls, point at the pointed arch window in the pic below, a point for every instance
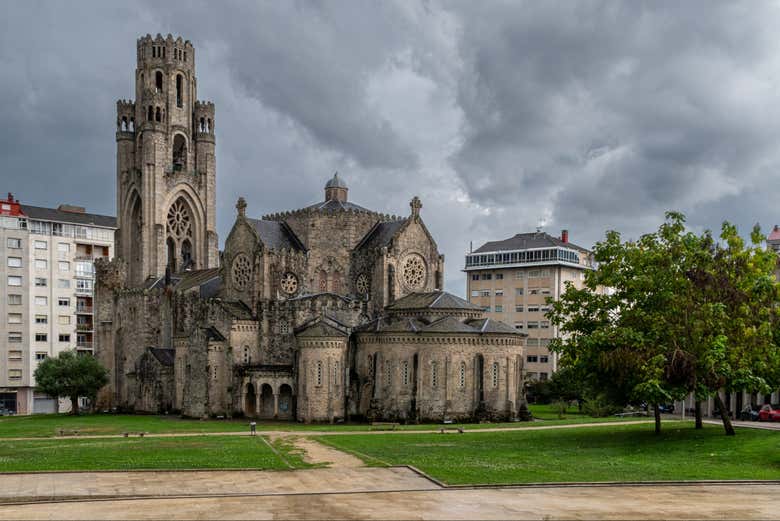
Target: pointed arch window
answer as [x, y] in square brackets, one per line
[158, 81]
[179, 90]
[179, 242]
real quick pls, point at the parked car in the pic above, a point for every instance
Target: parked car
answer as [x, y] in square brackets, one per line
[769, 413]
[749, 413]
[666, 408]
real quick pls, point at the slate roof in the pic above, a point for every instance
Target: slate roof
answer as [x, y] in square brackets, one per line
[527, 241]
[432, 300]
[335, 182]
[488, 325]
[381, 234]
[319, 328]
[448, 324]
[194, 278]
[775, 235]
[334, 206]
[52, 214]
[276, 235]
[164, 356]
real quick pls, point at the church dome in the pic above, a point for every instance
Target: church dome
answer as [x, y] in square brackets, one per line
[336, 182]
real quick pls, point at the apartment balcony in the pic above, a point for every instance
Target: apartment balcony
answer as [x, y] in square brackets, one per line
[84, 344]
[84, 327]
[84, 291]
[84, 310]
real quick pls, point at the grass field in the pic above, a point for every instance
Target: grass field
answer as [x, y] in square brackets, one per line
[50, 424]
[202, 452]
[610, 453]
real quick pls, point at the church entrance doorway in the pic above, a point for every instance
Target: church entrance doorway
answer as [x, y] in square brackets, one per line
[285, 402]
[249, 400]
[266, 402]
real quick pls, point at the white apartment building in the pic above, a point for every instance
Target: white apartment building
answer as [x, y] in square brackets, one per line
[47, 280]
[512, 279]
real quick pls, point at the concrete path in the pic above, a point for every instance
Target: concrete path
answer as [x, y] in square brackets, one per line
[620, 502]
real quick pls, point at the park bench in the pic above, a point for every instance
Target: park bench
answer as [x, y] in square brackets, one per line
[139, 434]
[68, 432]
[446, 429]
[383, 426]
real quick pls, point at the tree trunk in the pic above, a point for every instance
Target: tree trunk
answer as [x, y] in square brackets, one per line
[697, 409]
[657, 414]
[724, 415]
[74, 405]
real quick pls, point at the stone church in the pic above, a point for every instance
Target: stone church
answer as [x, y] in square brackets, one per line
[323, 313]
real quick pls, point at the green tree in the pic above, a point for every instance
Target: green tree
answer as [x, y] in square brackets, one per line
[71, 375]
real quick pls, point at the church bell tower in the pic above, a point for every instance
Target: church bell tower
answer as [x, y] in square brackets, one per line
[166, 168]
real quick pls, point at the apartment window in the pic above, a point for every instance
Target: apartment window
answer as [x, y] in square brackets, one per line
[544, 309]
[41, 264]
[83, 285]
[475, 276]
[533, 274]
[41, 337]
[532, 358]
[499, 292]
[519, 292]
[63, 320]
[474, 292]
[487, 276]
[14, 300]
[14, 280]
[544, 359]
[519, 308]
[542, 377]
[519, 325]
[41, 356]
[485, 292]
[15, 355]
[41, 319]
[544, 273]
[63, 283]
[13, 243]
[63, 302]
[533, 309]
[41, 245]
[84, 269]
[486, 308]
[14, 318]
[533, 325]
[41, 282]
[545, 291]
[533, 291]
[532, 342]
[63, 247]
[14, 374]
[544, 324]
[41, 301]
[14, 262]
[499, 276]
[499, 308]
[405, 372]
[64, 265]
[64, 338]
[519, 275]
[14, 337]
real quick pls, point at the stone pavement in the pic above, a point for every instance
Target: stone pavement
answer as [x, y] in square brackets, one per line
[581, 502]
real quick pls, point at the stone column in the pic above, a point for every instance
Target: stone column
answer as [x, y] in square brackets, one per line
[276, 405]
[258, 397]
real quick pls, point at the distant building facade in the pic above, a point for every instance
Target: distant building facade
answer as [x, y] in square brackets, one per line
[511, 279]
[47, 282]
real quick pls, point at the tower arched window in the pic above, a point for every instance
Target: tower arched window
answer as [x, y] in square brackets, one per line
[150, 114]
[179, 152]
[323, 281]
[186, 253]
[209, 127]
[171, 246]
[179, 90]
[158, 81]
[157, 115]
[202, 127]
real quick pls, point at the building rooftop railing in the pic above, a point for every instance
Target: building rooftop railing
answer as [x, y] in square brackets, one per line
[535, 257]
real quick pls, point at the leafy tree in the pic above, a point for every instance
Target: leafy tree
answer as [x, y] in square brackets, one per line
[683, 313]
[71, 375]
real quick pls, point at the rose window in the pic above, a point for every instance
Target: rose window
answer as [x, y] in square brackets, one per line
[361, 284]
[179, 222]
[413, 271]
[289, 283]
[242, 272]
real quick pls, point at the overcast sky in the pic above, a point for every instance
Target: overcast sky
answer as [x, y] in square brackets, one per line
[499, 115]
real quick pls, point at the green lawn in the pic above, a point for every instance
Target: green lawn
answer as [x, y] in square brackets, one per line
[609, 453]
[202, 452]
[46, 425]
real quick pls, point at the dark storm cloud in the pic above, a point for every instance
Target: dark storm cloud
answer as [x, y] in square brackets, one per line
[500, 115]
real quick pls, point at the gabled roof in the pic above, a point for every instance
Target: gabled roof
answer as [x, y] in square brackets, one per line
[527, 241]
[775, 234]
[321, 327]
[165, 356]
[276, 235]
[213, 333]
[237, 309]
[51, 214]
[381, 234]
[432, 300]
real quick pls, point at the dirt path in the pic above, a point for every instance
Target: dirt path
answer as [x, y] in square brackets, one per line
[317, 453]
